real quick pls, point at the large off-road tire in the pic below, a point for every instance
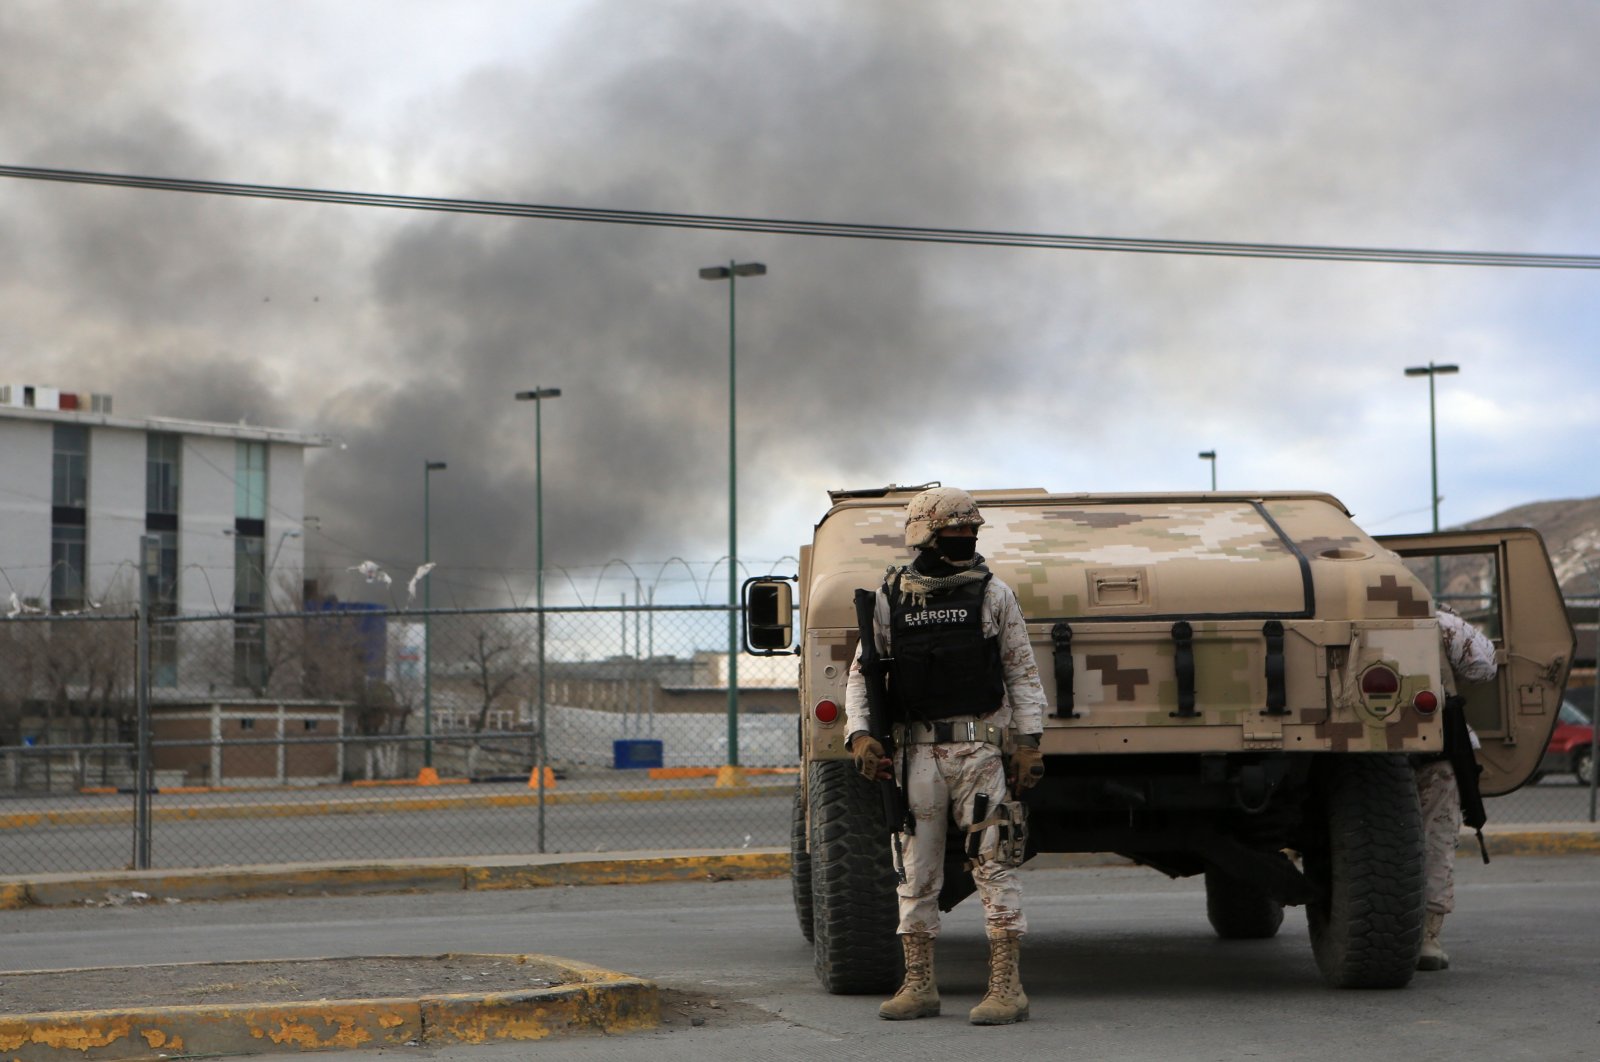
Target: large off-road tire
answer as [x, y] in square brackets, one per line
[1366, 927]
[1239, 912]
[853, 913]
[800, 863]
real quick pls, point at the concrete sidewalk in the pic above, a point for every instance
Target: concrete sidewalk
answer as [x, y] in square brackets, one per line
[261, 1007]
[443, 874]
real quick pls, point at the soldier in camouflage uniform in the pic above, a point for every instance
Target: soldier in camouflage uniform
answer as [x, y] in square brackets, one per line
[1469, 657]
[964, 685]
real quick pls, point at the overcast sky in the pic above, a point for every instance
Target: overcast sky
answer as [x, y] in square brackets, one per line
[1460, 125]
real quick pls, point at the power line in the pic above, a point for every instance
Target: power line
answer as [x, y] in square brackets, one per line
[840, 230]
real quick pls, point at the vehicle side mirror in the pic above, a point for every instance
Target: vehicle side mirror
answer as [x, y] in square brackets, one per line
[768, 617]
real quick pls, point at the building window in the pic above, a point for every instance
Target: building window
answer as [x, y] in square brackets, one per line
[164, 603]
[161, 495]
[249, 577]
[69, 518]
[68, 562]
[70, 484]
[250, 480]
[249, 564]
[249, 599]
[247, 724]
[161, 473]
[310, 724]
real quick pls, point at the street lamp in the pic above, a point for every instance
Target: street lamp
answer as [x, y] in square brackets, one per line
[266, 576]
[266, 572]
[537, 397]
[428, 468]
[1211, 455]
[731, 272]
[1430, 371]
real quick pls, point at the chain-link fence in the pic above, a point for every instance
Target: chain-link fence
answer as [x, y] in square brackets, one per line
[355, 732]
[362, 733]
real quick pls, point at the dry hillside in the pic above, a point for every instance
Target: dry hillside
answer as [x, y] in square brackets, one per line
[1571, 530]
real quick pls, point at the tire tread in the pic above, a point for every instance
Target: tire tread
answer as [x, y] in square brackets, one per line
[852, 884]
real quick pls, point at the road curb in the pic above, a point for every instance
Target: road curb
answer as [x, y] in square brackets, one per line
[532, 872]
[356, 879]
[591, 1001]
[1558, 840]
[362, 805]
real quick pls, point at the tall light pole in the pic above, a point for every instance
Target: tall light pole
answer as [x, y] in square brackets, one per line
[428, 469]
[1211, 455]
[731, 272]
[1430, 371]
[537, 397]
[266, 577]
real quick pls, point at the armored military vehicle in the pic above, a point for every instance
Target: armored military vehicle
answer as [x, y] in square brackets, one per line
[1235, 684]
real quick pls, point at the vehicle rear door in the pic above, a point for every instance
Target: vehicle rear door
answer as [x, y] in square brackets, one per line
[1502, 581]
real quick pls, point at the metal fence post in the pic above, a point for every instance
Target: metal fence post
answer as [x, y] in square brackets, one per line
[1594, 722]
[143, 776]
[544, 744]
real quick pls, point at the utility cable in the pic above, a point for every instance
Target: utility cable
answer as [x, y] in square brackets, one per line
[792, 227]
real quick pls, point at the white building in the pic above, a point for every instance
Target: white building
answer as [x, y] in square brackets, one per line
[222, 505]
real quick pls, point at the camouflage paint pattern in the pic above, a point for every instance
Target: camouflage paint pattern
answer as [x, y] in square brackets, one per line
[1441, 832]
[1469, 657]
[1468, 650]
[940, 782]
[1121, 568]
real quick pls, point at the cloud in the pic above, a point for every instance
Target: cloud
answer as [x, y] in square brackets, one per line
[859, 363]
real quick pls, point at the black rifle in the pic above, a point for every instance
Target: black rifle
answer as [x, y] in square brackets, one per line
[875, 669]
[1458, 750]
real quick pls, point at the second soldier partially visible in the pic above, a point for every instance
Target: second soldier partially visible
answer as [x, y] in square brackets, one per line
[963, 686]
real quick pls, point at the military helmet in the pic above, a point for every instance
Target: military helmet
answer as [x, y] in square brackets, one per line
[938, 508]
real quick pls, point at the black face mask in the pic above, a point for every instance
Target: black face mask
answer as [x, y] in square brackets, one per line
[957, 547]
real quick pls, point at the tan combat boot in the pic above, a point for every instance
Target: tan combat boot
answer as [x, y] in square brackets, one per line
[919, 994]
[1433, 956]
[1005, 1002]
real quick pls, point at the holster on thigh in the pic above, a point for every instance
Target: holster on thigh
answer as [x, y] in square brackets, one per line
[998, 834]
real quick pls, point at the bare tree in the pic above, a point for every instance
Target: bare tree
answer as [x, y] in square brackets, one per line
[497, 666]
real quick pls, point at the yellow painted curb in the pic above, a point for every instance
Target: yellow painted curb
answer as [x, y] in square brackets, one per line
[380, 805]
[729, 867]
[14, 896]
[366, 879]
[1533, 843]
[593, 1000]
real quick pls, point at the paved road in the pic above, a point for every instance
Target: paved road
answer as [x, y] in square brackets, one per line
[1120, 965]
[272, 826]
[378, 824]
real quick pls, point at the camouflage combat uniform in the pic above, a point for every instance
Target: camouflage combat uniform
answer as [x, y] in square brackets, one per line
[941, 779]
[1469, 656]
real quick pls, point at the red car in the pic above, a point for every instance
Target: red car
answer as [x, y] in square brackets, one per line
[1571, 746]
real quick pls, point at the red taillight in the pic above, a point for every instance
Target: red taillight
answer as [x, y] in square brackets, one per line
[1426, 702]
[1379, 681]
[826, 712]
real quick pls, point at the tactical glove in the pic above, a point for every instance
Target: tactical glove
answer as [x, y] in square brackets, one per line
[1027, 767]
[870, 758]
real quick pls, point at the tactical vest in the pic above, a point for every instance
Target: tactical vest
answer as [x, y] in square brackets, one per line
[943, 666]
